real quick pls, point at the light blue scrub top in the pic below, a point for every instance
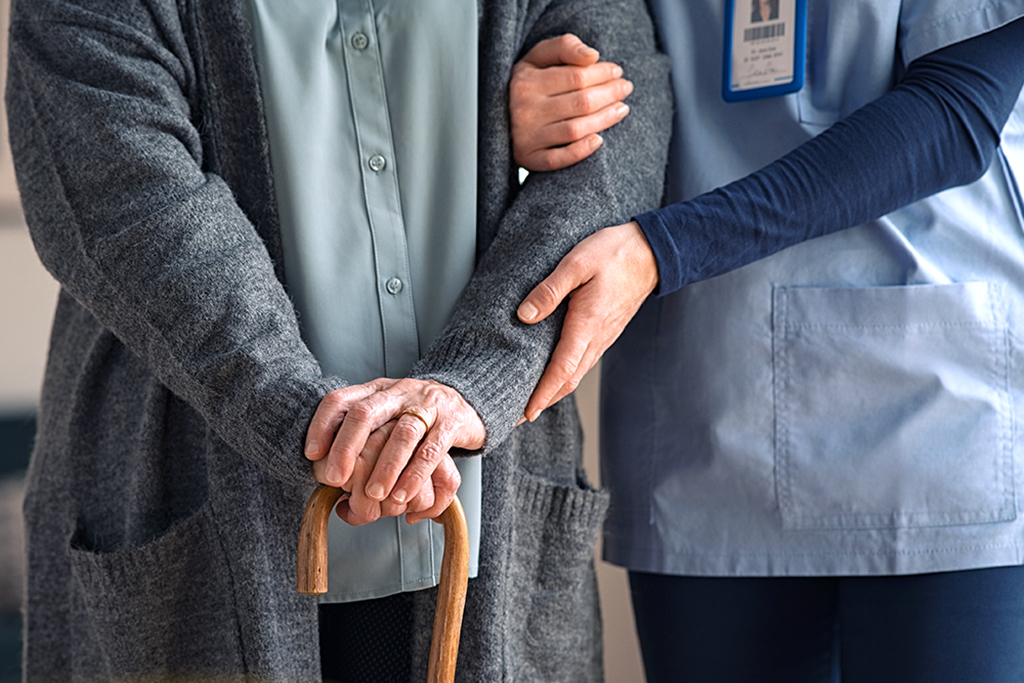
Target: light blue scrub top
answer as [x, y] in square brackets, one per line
[853, 404]
[371, 109]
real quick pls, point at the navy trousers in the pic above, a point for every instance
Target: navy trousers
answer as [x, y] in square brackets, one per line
[965, 626]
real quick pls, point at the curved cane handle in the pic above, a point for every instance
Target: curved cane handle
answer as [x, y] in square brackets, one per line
[451, 597]
[312, 570]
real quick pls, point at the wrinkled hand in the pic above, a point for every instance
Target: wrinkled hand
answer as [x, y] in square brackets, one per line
[365, 440]
[560, 98]
[607, 276]
[357, 509]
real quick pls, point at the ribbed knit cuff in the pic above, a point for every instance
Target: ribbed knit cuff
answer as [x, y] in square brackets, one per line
[279, 423]
[493, 385]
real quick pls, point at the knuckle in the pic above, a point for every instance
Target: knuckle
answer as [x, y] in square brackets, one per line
[544, 162]
[364, 514]
[450, 480]
[361, 412]
[567, 40]
[567, 46]
[430, 454]
[547, 291]
[407, 431]
[390, 509]
[437, 393]
[572, 362]
[572, 130]
[425, 498]
[577, 78]
[519, 87]
[388, 469]
[404, 386]
[583, 101]
[333, 400]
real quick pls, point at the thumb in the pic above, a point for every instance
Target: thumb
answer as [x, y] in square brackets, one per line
[563, 49]
[545, 297]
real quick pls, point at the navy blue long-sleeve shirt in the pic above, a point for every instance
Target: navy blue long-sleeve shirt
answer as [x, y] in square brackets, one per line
[937, 128]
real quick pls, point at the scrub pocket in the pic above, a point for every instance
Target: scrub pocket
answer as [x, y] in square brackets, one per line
[892, 406]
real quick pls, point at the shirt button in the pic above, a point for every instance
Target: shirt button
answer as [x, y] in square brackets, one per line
[394, 285]
[360, 41]
[377, 163]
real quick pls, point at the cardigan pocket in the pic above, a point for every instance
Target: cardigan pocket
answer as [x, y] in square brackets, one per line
[165, 609]
[556, 614]
[892, 406]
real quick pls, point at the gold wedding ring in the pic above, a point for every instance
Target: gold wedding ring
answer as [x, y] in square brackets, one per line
[418, 415]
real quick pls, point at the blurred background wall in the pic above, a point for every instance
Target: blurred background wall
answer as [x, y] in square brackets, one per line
[27, 298]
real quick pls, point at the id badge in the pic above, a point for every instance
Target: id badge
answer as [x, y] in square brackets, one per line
[764, 48]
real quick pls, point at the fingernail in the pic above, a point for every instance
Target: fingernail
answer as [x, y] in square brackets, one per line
[312, 449]
[596, 141]
[629, 87]
[398, 496]
[585, 50]
[617, 71]
[527, 312]
[521, 421]
[334, 475]
[622, 109]
[375, 491]
[533, 415]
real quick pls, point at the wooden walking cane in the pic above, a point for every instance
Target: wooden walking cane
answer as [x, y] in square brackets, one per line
[451, 595]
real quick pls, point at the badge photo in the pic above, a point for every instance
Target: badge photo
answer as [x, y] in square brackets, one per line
[765, 42]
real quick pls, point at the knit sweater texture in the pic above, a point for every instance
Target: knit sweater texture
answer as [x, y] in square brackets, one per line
[168, 481]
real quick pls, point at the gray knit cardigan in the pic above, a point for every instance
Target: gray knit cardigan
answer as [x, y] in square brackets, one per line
[167, 480]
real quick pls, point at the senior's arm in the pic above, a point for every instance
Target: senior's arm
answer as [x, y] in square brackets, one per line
[115, 186]
[487, 356]
[560, 99]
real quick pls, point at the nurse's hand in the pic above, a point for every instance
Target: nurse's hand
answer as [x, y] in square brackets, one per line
[606, 277]
[429, 420]
[560, 98]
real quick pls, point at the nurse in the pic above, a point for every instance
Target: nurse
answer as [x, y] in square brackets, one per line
[813, 432]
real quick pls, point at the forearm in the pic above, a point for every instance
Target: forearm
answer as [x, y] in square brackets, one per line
[937, 129]
[485, 353]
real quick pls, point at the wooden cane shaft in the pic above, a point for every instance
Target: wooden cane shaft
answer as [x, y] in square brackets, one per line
[451, 596]
[311, 575]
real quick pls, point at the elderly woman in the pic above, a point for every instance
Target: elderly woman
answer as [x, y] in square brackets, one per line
[182, 162]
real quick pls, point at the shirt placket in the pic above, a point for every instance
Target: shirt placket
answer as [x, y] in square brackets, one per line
[365, 73]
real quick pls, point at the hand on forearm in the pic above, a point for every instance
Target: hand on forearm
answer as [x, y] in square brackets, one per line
[606, 277]
[560, 98]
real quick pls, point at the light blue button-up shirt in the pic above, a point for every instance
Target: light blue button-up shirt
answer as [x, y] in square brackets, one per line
[372, 115]
[853, 404]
